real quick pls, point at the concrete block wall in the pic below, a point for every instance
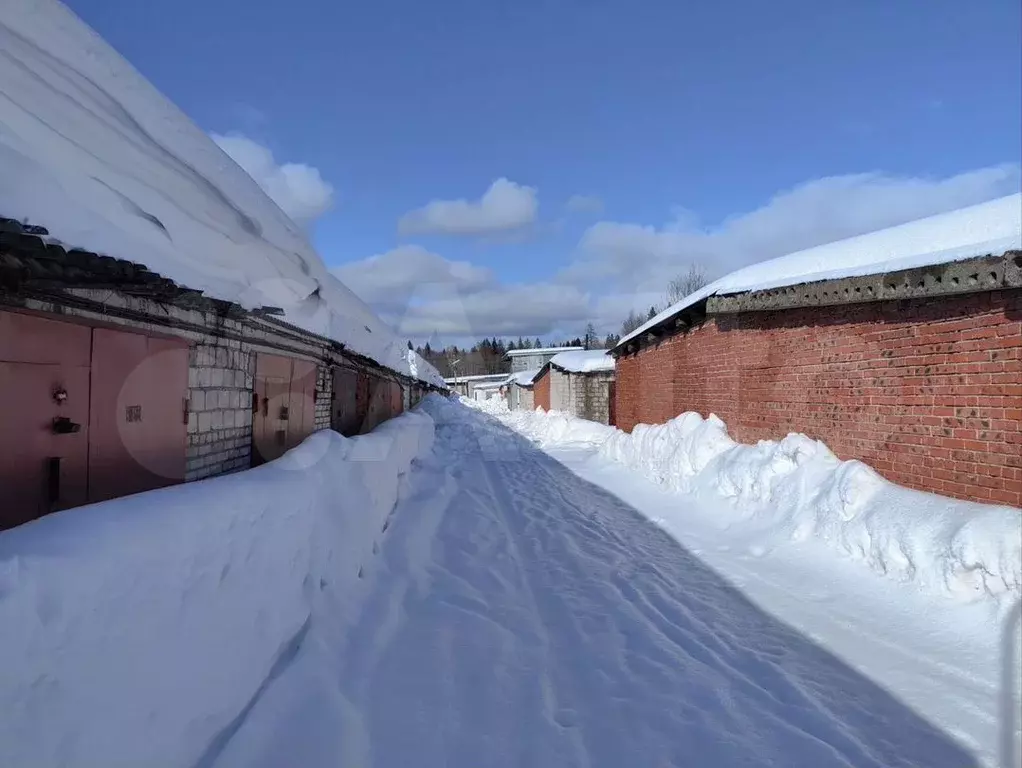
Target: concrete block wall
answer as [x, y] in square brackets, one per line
[928, 391]
[589, 395]
[220, 408]
[560, 393]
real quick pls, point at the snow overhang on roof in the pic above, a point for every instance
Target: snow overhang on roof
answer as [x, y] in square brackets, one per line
[538, 351]
[93, 152]
[524, 378]
[583, 361]
[990, 232]
[476, 377]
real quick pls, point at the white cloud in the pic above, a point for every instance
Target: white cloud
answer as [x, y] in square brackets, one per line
[584, 204]
[503, 207]
[298, 189]
[422, 294]
[389, 280]
[642, 257]
[624, 266]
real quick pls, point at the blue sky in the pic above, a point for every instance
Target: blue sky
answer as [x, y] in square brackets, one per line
[712, 133]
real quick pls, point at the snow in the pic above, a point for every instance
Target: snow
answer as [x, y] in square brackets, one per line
[796, 489]
[538, 351]
[586, 361]
[476, 377]
[993, 227]
[137, 631]
[444, 591]
[524, 378]
[90, 150]
[553, 608]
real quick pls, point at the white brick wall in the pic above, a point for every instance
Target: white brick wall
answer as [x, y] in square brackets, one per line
[220, 408]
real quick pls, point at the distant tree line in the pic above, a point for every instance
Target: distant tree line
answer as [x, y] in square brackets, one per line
[490, 355]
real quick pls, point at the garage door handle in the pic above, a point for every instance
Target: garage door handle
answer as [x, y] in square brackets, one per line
[53, 479]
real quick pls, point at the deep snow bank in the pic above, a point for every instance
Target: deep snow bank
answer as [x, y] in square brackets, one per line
[797, 489]
[135, 632]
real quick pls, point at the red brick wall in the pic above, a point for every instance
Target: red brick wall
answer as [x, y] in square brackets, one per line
[927, 391]
[541, 391]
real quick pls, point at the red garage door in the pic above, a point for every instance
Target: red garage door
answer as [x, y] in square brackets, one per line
[284, 405]
[92, 414]
[137, 415]
[44, 382]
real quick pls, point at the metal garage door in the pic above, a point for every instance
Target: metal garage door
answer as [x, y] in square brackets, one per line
[137, 420]
[93, 414]
[44, 378]
[284, 405]
[345, 417]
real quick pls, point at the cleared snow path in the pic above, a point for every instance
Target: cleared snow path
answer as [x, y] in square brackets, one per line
[519, 615]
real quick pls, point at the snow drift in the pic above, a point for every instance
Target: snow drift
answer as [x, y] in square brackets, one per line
[93, 152]
[796, 488]
[147, 626]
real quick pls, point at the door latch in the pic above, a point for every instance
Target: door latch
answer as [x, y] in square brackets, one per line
[62, 425]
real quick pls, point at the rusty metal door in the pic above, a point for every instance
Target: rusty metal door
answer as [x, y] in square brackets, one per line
[611, 405]
[363, 396]
[137, 419]
[397, 399]
[344, 416]
[284, 405]
[44, 375]
[272, 387]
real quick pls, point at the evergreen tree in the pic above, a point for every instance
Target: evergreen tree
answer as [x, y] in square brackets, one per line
[652, 313]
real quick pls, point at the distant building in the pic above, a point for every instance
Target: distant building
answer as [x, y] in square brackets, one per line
[466, 386]
[534, 359]
[520, 390]
[577, 382]
[901, 348]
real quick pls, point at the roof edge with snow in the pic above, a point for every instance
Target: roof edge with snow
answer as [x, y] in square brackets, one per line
[895, 259]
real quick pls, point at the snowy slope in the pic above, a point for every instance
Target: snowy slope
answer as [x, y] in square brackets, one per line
[988, 228]
[90, 150]
[135, 632]
[583, 361]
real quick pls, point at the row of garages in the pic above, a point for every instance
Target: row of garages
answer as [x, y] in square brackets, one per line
[917, 372]
[578, 382]
[118, 384]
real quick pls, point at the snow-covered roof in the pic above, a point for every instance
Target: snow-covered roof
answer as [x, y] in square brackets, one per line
[476, 377]
[523, 378]
[583, 361]
[93, 152]
[993, 227]
[485, 385]
[538, 351]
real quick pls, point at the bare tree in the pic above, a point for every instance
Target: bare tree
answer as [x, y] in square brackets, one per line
[591, 340]
[633, 321]
[686, 283]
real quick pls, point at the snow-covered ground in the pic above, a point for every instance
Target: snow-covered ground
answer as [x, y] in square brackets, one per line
[92, 151]
[495, 602]
[138, 632]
